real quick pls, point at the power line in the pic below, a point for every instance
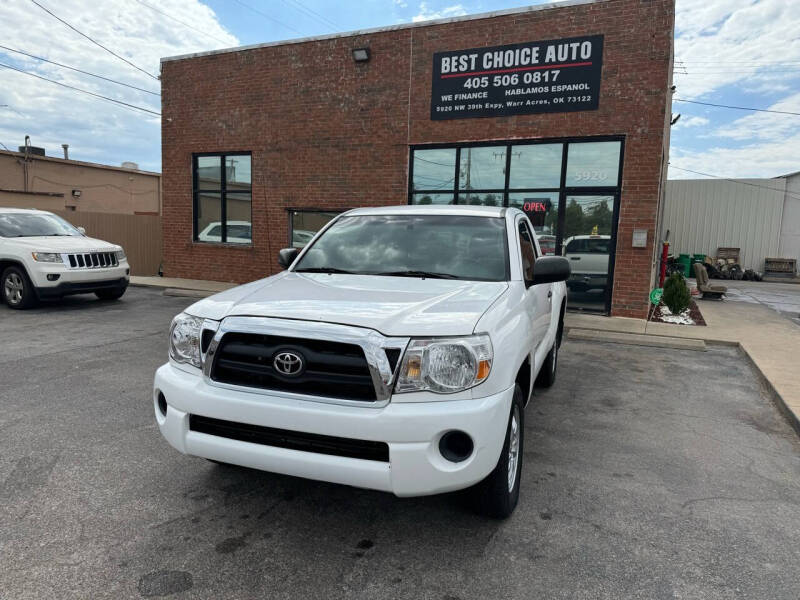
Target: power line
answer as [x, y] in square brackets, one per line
[780, 112]
[133, 106]
[312, 13]
[122, 58]
[266, 16]
[765, 187]
[52, 62]
[153, 8]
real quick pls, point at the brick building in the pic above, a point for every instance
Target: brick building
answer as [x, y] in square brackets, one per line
[562, 110]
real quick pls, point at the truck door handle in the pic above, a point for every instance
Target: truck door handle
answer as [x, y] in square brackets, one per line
[549, 294]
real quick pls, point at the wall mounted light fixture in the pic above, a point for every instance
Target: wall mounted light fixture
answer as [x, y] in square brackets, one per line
[361, 54]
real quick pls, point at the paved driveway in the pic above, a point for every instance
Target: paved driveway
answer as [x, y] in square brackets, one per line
[783, 298]
[647, 474]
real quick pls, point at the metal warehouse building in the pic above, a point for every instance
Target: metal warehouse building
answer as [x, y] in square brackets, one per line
[562, 110]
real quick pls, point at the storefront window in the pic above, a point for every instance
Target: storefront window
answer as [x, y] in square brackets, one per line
[542, 211]
[434, 170]
[482, 168]
[593, 164]
[568, 190]
[535, 166]
[223, 198]
[304, 224]
[432, 198]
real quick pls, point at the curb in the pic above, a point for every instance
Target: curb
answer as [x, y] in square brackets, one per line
[637, 339]
[182, 293]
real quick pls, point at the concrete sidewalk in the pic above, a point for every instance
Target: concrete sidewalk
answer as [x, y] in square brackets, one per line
[174, 283]
[769, 340]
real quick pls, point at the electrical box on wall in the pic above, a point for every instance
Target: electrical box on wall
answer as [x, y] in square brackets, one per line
[639, 238]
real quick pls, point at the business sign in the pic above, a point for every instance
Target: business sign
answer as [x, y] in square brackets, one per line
[535, 77]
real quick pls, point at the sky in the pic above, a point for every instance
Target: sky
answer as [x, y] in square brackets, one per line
[732, 52]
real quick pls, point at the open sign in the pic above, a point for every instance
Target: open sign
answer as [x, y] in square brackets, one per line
[536, 207]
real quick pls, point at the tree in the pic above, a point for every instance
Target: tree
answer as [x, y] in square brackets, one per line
[573, 220]
[676, 294]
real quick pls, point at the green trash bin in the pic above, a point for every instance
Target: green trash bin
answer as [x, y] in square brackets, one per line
[686, 262]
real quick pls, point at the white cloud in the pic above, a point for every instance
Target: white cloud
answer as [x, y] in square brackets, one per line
[691, 121]
[426, 14]
[767, 126]
[725, 42]
[95, 129]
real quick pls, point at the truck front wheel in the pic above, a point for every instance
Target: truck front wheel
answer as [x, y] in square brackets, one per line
[497, 495]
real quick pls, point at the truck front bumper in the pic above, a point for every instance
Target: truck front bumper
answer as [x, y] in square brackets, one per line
[412, 431]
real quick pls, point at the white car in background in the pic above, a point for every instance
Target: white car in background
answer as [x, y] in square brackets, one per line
[42, 256]
[239, 232]
[588, 258]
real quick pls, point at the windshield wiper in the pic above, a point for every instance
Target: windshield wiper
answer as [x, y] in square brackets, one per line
[423, 274]
[329, 270]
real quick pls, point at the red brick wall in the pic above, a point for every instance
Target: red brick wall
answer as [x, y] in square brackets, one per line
[326, 132]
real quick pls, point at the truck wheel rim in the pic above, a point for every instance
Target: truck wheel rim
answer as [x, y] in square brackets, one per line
[13, 288]
[513, 449]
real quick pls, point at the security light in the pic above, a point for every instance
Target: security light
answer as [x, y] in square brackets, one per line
[361, 54]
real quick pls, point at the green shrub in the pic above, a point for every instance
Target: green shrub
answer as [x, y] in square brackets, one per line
[676, 294]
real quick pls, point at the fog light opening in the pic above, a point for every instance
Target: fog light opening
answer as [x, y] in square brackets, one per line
[456, 446]
[53, 276]
[162, 404]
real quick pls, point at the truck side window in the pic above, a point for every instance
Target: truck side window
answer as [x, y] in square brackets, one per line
[528, 251]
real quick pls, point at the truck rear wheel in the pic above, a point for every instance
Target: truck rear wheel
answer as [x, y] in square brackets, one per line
[497, 495]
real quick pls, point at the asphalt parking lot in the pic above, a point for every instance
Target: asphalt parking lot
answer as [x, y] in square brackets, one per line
[647, 473]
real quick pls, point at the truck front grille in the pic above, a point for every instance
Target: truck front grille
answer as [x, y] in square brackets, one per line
[292, 440]
[330, 369]
[92, 260]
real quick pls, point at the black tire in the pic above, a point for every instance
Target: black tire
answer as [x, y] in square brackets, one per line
[547, 374]
[114, 294]
[17, 289]
[493, 497]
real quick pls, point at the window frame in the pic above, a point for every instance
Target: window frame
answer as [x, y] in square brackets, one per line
[562, 191]
[223, 197]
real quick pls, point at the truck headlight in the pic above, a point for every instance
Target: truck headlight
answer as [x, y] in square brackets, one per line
[445, 365]
[50, 257]
[184, 339]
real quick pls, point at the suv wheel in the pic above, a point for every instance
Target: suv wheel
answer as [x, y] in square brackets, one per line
[497, 495]
[17, 288]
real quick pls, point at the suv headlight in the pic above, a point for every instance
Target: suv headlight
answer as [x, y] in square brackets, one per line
[120, 255]
[445, 365]
[50, 257]
[184, 339]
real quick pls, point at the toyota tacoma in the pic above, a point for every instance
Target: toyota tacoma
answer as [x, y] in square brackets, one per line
[396, 352]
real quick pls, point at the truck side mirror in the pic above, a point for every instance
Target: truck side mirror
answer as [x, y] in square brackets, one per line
[548, 269]
[286, 257]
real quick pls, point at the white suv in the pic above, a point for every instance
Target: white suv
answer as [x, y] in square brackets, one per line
[42, 256]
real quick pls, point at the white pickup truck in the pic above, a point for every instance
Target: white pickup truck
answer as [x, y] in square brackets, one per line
[396, 352]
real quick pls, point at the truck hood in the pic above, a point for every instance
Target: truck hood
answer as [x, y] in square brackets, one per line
[64, 244]
[394, 306]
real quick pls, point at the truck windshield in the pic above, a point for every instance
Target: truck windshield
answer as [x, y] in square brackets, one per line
[31, 225]
[433, 246]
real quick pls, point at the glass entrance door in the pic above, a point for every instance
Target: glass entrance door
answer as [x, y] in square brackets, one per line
[588, 242]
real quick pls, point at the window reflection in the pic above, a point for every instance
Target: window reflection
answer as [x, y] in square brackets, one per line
[434, 169]
[306, 223]
[481, 199]
[542, 211]
[536, 166]
[482, 168]
[426, 198]
[223, 190]
[593, 164]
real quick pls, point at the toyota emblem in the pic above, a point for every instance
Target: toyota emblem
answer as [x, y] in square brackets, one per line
[289, 364]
